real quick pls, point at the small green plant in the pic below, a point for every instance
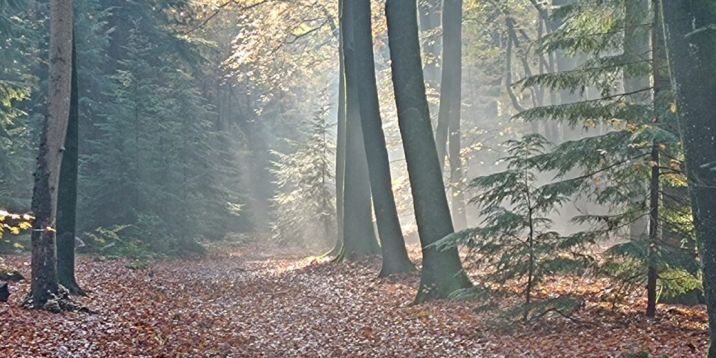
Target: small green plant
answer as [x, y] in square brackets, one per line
[138, 264]
[515, 243]
[109, 243]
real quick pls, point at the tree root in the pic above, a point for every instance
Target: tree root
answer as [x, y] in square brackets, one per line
[57, 303]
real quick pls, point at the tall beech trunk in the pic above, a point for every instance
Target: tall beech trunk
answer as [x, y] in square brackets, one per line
[359, 237]
[360, 77]
[691, 49]
[442, 271]
[429, 26]
[340, 141]
[49, 160]
[451, 91]
[451, 77]
[67, 194]
[660, 83]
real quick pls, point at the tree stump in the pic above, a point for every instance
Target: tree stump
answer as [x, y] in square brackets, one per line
[4, 291]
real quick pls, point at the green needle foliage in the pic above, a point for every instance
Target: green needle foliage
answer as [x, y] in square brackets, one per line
[515, 244]
[611, 164]
[304, 200]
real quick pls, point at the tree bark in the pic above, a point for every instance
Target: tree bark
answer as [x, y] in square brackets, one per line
[44, 197]
[360, 76]
[660, 84]
[636, 47]
[451, 77]
[340, 141]
[67, 193]
[691, 49]
[442, 271]
[429, 27]
[452, 88]
[359, 237]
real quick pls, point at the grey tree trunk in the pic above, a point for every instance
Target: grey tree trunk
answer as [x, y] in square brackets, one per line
[429, 26]
[691, 49]
[442, 271]
[340, 142]
[451, 80]
[451, 91]
[67, 194]
[359, 237]
[360, 76]
[49, 160]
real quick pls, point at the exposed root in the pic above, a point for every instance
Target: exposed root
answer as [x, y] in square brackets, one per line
[57, 303]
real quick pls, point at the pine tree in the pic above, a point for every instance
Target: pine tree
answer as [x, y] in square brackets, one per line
[614, 168]
[19, 39]
[304, 208]
[515, 242]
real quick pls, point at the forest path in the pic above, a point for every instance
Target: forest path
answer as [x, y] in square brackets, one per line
[278, 304]
[240, 305]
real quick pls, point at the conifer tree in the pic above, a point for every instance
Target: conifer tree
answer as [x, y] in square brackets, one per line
[304, 207]
[515, 241]
[622, 161]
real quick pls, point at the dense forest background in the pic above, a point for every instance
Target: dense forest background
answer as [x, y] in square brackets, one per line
[205, 123]
[202, 121]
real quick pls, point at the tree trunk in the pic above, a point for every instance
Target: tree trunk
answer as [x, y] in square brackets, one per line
[340, 142]
[451, 81]
[652, 273]
[358, 235]
[660, 84]
[429, 26]
[360, 76]
[44, 197]
[636, 48]
[452, 88]
[691, 49]
[67, 193]
[442, 271]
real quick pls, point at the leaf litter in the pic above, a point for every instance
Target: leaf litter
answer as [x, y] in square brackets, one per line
[247, 305]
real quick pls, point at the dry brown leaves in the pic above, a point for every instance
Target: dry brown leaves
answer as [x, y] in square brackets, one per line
[246, 305]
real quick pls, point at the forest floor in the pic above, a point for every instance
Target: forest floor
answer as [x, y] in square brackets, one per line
[241, 304]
